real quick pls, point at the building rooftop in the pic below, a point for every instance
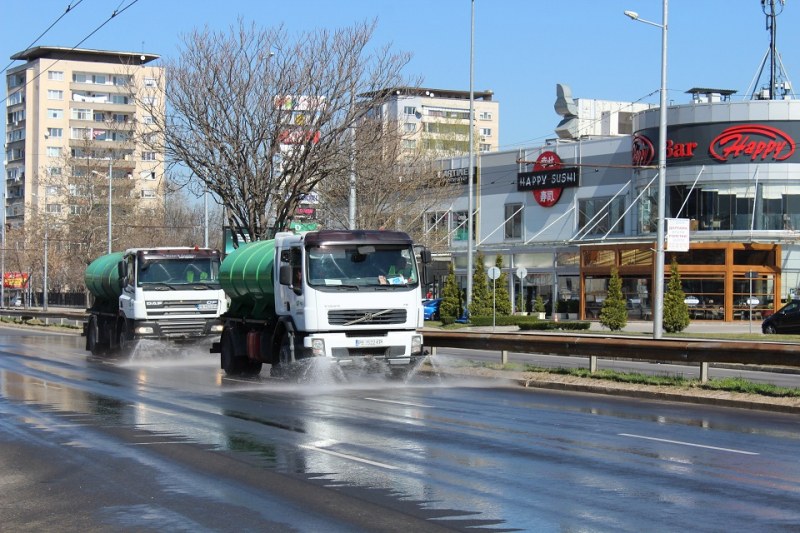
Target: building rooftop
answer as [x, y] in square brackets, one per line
[84, 54]
[435, 93]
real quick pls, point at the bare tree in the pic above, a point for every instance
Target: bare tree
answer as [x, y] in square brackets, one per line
[396, 184]
[261, 119]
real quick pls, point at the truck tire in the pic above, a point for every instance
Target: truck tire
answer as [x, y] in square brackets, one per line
[126, 342]
[231, 364]
[282, 367]
[93, 344]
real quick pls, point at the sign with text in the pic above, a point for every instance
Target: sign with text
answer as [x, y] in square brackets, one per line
[548, 179]
[460, 176]
[677, 238]
[15, 280]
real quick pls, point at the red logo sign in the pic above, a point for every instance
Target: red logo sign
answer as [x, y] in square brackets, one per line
[547, 161]
[643, 152]
[755, 141]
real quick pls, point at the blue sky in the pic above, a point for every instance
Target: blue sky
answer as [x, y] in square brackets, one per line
[522, 47]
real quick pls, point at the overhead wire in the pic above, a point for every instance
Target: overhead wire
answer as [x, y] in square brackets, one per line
[114, 14]
[70, 7]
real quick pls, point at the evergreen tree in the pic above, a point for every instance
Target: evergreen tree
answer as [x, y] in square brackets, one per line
[614, 314]
[481, 304]
[538, 304]
[501, 295]
[676, 312]
[451, 296]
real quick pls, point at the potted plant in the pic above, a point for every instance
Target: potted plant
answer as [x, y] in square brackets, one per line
[538, 307]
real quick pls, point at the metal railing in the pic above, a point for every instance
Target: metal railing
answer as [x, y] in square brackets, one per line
[686, 351]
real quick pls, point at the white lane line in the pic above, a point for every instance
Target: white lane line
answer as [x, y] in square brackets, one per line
[687, 444]
[345, 456]
[407, 404]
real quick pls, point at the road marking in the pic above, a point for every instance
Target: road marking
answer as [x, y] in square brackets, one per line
[317, 448]
[407, 404]
[687, 444]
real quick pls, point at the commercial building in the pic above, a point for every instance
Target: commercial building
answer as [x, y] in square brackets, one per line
[64, 105]
[569, 212]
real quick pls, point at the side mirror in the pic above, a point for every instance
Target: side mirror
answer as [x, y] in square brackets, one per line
[425, 256]
[122, 273]
[285, 275]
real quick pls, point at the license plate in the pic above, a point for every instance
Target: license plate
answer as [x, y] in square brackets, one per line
[368, 342]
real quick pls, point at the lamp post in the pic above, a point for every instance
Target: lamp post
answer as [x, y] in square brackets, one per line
[658, 288]
[110, 177]
[470, 170]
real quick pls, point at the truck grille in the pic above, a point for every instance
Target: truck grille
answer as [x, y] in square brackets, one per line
[182, 328]
[361, 317]
[167, 308]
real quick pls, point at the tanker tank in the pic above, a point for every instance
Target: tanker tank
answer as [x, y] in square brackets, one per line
[102, 278]
[247, 277]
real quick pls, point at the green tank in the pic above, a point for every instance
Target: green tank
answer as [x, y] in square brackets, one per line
[246, 276]
[102, 277]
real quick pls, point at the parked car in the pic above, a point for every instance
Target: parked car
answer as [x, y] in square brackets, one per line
[432, 308]
[784, 320]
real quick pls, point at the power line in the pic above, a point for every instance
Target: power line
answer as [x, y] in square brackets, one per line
[70, 7]
[114, 14]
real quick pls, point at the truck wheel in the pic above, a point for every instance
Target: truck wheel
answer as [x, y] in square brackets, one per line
[127, 344]
[93, 344]
[230, 364]
[283, 366]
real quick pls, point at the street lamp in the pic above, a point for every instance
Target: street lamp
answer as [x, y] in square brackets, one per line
[110, 170]
[471, 170]
[658, 297]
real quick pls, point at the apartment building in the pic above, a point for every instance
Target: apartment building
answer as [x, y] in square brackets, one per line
[66, 105]
[438, 119]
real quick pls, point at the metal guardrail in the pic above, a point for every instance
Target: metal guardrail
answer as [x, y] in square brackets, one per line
[59, 317]
[641, 349]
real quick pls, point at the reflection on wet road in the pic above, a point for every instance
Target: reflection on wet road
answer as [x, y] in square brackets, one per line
[449, 452]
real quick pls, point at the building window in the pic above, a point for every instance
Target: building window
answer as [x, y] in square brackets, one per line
[148, 100]
[55, 113]
[513, 218]
[409, 110]
[82, 114]
[54, 208]
[55, 75]
[148, 119]
[597, 218]
[120, 117]
[77, 209]
[55, 133]
[53, 151]
[148, 193]
[486, 132]
[485, 115]
[15, 98]
[148, 156]
[53, 94]
[120, 99]
[122, 80]
[483, 147]
[149, 82]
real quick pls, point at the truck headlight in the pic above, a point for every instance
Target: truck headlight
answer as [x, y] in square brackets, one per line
[216, 328]
[144, 330]
[318, 347]
[416, 345]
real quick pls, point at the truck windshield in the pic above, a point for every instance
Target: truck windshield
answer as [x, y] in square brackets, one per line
[362, 266]
[179, 271]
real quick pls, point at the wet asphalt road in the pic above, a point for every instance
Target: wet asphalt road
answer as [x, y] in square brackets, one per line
[168, 444]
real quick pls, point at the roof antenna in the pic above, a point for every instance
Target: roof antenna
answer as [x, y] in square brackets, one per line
[779, 88]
